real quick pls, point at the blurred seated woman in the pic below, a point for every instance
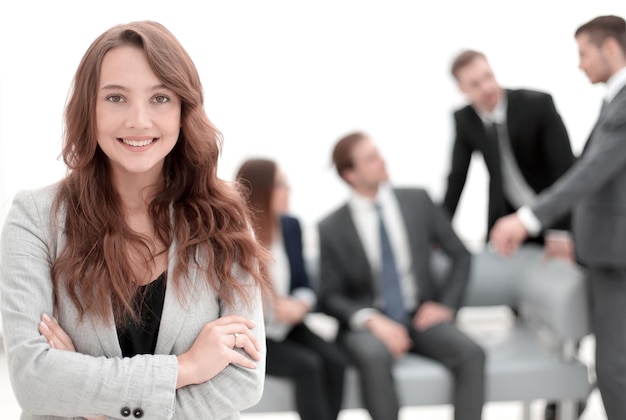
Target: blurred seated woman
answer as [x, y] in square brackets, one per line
[293, 350]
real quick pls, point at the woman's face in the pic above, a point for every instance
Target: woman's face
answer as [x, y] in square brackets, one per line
[280, 195]
[138, 119]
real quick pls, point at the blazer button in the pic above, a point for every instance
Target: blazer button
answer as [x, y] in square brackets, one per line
[125, 412]
[138, 413]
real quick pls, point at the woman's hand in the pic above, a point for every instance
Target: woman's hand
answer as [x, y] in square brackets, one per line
[58, 339]
[216, 347]
[54, 334]
[290, 310]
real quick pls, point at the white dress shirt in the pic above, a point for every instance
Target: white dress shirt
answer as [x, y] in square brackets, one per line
[365, 218]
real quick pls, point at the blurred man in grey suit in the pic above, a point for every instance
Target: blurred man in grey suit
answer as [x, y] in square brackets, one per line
[595, 189]
[376, 280]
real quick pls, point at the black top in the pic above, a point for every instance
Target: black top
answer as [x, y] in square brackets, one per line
[140, 338]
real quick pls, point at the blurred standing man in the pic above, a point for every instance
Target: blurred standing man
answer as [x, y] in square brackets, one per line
[521, 137]
[376, 280]
[595, 188]
[524, 144]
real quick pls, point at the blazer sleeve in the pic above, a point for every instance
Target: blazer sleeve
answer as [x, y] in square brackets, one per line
[557, 151]
[459, 164]
[604, 160]
[234, 388]
[452, 291]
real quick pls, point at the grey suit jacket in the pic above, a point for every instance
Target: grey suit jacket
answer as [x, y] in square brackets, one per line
[96, 380]
[595, 188]
[346, 280]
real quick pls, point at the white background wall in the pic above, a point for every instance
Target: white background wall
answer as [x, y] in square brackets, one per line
[286, 78]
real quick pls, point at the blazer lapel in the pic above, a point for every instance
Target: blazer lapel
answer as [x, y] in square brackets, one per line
[173, 311]
[488, 145]
[107, 334]
[514, 117]
[355, 250]
[604, 109]
[413, 220]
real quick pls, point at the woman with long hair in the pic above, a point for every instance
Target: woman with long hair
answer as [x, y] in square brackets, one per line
[134, 286]
[294, 351]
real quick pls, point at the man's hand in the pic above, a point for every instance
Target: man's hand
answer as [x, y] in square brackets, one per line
[431, 313]
[289, 310]
[559, 245]
[393, 335]
[507, 234]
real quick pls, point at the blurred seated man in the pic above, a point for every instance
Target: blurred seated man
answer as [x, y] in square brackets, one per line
[376, 280]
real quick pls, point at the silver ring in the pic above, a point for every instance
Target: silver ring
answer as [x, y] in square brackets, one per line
[235, 345]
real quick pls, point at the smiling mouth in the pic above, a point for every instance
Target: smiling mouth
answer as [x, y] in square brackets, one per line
[137, 143]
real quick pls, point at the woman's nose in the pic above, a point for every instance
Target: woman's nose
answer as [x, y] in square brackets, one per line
[138, 116]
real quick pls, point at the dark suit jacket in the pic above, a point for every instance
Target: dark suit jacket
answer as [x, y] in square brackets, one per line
[595, 188]
[539, 141]
[347, 283]
[292, 239]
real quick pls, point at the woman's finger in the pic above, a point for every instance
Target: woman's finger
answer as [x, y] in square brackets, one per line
[56, 336]
[234, 319]
[244, 336]
[247, 343]
[241, 360]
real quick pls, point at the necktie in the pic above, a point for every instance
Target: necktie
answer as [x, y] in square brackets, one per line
[393, 304]
[515, 186]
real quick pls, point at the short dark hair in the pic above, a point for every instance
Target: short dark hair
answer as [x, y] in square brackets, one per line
[342, 152]
[603, 27]
[463, 59]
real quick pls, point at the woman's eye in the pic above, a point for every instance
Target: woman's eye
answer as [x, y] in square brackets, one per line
[114, 98]
[161, 99]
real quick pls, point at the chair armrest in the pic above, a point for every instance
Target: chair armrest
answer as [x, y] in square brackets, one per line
[494, 279]
[553, 295]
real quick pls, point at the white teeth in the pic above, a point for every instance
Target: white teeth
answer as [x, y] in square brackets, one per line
[137, 143]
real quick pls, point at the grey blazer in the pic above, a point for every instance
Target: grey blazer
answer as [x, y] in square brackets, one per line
[595, 188]
[96, 380]
[346, 281]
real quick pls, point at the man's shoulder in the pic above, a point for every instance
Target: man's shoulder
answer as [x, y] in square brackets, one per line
[334, 217]
[410, 190]
[412, 194]
[464, 110]
[528, 94]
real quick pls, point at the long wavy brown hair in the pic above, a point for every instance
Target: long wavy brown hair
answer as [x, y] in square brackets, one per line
[257, 177]
[206, 216]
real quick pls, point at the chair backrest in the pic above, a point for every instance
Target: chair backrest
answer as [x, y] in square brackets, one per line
[493, 279]
[550, 294]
